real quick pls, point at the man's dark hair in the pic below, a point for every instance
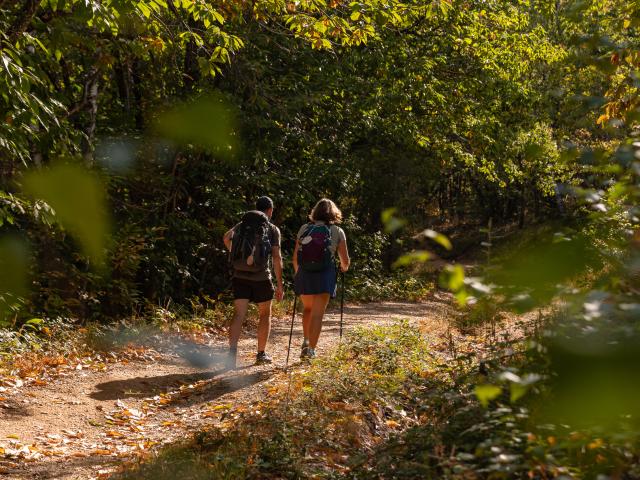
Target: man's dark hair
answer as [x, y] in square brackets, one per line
[264, 203]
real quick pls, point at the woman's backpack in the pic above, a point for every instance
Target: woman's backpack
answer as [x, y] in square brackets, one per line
[251, 243]
[314, 252]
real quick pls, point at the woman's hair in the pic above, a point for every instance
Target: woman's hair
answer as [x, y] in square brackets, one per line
[326, 211]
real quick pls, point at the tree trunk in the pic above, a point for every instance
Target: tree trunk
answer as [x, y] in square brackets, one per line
[22, 22]
[136, 80]
[91, 98]
[191, 67]
[523, 208]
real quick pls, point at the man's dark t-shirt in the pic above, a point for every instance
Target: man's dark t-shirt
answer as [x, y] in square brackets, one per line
[274, 239]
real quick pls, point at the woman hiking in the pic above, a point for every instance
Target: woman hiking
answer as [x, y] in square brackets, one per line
[314, 265]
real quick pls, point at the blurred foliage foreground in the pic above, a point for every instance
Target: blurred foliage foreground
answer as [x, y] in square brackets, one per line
[392, 403]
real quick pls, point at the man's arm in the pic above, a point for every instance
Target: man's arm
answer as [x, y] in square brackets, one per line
[226, 238]
[277, 270]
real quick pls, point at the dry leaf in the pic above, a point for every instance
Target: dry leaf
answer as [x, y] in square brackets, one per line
[101, 451]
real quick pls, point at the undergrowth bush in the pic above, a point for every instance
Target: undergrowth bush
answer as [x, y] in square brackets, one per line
[397, 286]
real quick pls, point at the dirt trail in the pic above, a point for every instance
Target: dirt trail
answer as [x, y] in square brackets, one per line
[77, 426]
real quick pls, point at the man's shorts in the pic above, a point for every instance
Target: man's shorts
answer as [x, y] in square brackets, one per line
[255, 291]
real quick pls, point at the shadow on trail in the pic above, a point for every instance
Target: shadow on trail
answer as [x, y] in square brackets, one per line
[53, 469]
[147, 386]
[10, 408]
[212, 390]
[205, 392]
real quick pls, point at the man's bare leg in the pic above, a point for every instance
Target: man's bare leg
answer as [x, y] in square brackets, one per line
[240, 308]
[264, 325]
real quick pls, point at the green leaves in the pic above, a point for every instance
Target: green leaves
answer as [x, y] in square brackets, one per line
[412, 258]
[14, 285]
[78, 199]
[531, 274]
[452, 278]
[206, 123]
[517, 386]
[391, 222]
[437, 237]
[595, 381]
[486, 393]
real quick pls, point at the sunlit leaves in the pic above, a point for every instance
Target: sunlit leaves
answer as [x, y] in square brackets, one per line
[77, 198]
[436, 237]
[452, 278]
[411, 258]
[391, 221]
[486, 393]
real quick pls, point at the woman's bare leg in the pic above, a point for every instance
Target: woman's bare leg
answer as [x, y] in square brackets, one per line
[307, 303]
[318, 308]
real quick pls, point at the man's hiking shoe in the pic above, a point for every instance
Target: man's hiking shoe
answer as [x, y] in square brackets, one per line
[230, 361]
[262, 358]
[305, 351]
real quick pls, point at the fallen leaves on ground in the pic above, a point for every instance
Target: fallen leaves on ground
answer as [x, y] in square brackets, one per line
[35, 369]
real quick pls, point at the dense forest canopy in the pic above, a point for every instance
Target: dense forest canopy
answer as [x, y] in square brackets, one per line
[498, 137]
[456, 113]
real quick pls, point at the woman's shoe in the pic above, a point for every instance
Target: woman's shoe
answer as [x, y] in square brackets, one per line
[305, 352]
[263, 359]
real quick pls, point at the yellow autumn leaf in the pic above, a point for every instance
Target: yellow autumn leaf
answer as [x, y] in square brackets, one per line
[101, 451]
[597, 443]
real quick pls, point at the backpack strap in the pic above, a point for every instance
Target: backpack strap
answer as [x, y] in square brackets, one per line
[306, 231]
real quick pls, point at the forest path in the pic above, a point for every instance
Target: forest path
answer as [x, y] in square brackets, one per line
[82, 424]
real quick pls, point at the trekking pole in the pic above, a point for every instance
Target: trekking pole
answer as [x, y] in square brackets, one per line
[293, 317]
[341, 304]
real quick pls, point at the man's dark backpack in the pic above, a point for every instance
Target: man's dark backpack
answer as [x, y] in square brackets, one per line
[251, 243]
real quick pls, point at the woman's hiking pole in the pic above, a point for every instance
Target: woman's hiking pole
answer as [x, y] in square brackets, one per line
[341, 304]
[293, 317]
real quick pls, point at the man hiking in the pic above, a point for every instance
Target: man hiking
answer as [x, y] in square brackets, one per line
[253, 244]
